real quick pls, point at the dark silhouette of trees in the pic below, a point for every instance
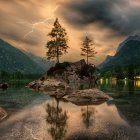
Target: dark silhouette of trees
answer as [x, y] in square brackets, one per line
[131, 72]
[57, 46]
[4, 76]
[90, 72]
[119, 72]
[87, 50]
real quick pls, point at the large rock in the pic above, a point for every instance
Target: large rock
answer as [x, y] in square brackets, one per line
[35, 85]
[48, 85]
[58, 77]
[3, 114]
[76, 66]
[72, 72]
[87, 97]
[4, 86]
[67, 71]
[52, 85]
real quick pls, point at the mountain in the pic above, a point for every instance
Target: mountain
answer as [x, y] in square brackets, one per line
[14, 60]
[43, 63]
[130, 38]
[127, 54]
[108, 58]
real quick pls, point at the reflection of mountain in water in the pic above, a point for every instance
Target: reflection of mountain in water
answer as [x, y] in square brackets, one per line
[126, 96]
[129, 107]
[57, 119]
[118, 87]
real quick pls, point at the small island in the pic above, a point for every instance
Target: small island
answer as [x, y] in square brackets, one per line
[59, 79]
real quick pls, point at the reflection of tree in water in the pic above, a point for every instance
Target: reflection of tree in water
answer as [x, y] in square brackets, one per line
[57, 118]
[87, 86]
[131, 87]
[88, 116]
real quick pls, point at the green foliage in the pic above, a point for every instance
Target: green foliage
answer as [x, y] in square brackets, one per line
[86, 48]
[121, 72]
[57, 46]
[108, 74]
[125, 63]
[131, 72]
[5, 76]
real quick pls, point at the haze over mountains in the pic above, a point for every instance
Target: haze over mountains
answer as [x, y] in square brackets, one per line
[14, 60]
[42, 62]
[127, 54]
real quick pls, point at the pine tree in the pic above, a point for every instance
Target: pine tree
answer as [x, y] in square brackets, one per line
[57, 46]
[87, 49]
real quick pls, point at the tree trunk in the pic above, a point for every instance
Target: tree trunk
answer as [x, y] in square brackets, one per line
[57, 55]
[87, 59]
[57, 59]
[87, 118]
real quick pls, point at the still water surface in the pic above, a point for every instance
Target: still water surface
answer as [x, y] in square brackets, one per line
[35, 116]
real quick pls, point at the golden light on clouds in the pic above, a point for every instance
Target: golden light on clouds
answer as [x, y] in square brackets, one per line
[25, 24]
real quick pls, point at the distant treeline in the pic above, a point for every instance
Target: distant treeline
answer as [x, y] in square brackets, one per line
[17, 76]
[119, 72]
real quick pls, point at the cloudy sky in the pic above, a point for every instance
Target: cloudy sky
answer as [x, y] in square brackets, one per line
[26, 23]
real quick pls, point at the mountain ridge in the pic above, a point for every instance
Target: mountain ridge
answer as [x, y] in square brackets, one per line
[126, 55]
[14, 60]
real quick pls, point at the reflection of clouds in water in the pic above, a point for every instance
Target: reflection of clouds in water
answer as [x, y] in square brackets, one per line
[28, 124]
[31, 123]
[109, 114]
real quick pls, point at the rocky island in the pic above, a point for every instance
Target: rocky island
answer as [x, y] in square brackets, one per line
[59, 79]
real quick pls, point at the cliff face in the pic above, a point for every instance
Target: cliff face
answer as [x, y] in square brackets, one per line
[127, 55]
[108, 58]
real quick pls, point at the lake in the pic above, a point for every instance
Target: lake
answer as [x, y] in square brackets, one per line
[36, 116]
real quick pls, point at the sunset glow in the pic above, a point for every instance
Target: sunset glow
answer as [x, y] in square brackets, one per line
[25, 24]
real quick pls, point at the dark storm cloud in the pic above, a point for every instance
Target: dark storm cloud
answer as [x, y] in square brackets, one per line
[118, 15]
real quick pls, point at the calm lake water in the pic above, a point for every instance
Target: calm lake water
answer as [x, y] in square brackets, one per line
[36, 116]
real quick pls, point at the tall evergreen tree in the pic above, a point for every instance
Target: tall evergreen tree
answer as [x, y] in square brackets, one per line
[57, 46]
[87, 49]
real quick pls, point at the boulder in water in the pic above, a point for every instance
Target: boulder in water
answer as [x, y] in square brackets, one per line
[88, 97]
[4, 86]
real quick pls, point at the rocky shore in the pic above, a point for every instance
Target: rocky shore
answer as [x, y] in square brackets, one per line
[51, 86]
[60, 89]
[3, 114]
